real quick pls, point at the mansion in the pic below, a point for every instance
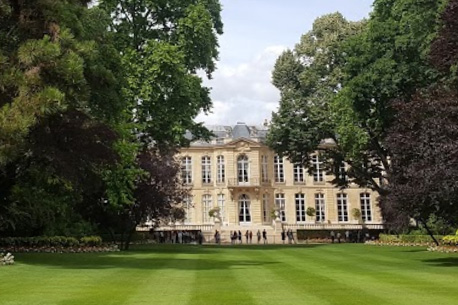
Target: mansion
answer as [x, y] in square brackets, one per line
[255, 189]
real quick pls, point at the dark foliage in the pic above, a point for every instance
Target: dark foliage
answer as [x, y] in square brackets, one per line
[424, 146]
[444, 49]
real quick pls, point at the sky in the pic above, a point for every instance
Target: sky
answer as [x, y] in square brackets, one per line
[256, 32]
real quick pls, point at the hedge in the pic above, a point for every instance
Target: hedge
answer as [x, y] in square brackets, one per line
[408, 238]
[50, 241]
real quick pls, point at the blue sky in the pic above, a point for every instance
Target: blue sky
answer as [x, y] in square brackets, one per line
[255, 34]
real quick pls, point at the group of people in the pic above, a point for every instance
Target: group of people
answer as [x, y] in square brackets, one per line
[288, 234]
[236, 236]
[349, 236]
[179, 237]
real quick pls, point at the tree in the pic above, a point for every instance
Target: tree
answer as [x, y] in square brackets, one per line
[49, 62]
[309, 77]
[157, 196]
[164, 44]
[422, 141]
[347, 97]
[60, 100]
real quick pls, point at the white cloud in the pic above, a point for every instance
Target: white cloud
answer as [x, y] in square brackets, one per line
[244, 93]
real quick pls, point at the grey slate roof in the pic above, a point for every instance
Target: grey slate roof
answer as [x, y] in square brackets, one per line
[224, 133]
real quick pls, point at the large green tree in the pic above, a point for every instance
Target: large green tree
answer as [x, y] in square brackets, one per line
[309, 78]
[387, 59]
[164, 44]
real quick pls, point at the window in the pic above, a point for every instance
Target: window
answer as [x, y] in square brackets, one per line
[280, 203]
[278, 169]
[188, 208]
[265, 207]
[342, 172]
[242, 169]
[317, 170]
[206, 207]
[300, 207]
[186, 170]
[244, 209]
[264, 165]
[221, 173]
[206, 169]
[366, 213]
[298, 173]
[222, 206]
[342, 207]
[320, 207]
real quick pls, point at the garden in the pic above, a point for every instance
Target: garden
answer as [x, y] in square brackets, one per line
[191, 274]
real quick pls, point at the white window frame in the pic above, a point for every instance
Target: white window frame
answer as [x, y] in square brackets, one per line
[366, 209]
[320, 207]
[265, 207]
[207, 205]
[280, 204]
[264, 169]
[221, 169]
[188, 207]
[299, 170]
[279, 169]
[206, 170]
[299, 199]
[317, 170]
[186, 170]
[222, 206]
[342, 207]
[243, 169]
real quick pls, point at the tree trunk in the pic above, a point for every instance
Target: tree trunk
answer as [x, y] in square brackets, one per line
[429, 232]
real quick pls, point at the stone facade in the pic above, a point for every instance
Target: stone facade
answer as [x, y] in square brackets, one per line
[255, 189]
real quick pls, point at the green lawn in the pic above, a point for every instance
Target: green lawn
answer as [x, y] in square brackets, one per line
[186, 274]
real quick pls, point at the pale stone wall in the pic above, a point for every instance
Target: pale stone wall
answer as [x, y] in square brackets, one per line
[255, 190]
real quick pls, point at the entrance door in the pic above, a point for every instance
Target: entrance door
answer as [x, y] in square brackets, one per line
[244, 209]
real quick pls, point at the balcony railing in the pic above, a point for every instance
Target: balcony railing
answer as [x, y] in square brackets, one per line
[247, 182]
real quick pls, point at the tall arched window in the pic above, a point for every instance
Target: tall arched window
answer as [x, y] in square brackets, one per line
[206, 169]
[207, 204]
[221, 173]
[244, 209]
[243, 169]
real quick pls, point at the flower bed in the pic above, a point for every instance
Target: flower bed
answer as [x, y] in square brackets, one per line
[444, 249]
[399, 243]
[60, 249]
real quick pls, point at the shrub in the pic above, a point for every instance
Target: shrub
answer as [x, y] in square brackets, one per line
[310, 211]
[451, 240]
[91, 241]
[404, 238]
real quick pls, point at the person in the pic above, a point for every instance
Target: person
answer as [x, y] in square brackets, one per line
[180, 237]
[347, 236]
[240, 236]
[161, 237]
[231, 237]
[217, 237]
[264, 236]
[259, 236]
[283, 236]
[200, 237]
[333, 236]
[290, 236]
[247, 235]
[251, 236]
[339, 236]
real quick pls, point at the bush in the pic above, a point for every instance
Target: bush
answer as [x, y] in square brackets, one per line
[91, 241]
[451, 240]
[49, 241]
[404, 238]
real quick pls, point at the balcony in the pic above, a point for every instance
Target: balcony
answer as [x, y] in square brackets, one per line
[251, 182]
